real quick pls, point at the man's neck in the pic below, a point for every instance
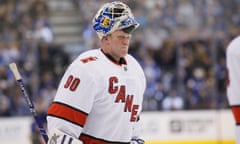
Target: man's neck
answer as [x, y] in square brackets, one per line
[109, 56]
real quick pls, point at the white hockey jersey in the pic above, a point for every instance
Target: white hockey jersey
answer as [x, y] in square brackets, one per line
[233, 95]
[233, 65]
[99, 101]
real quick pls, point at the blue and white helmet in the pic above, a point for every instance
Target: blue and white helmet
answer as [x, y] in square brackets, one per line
[114, 16]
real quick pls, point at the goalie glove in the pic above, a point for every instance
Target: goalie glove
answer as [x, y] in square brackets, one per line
[58, 137]
[136, 140]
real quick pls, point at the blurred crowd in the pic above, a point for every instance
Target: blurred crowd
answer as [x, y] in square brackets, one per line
[180, 44]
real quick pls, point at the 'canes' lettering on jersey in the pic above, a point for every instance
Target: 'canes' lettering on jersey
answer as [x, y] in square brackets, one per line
[122, 97]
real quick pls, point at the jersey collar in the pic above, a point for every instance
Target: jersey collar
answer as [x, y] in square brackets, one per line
[120, 62]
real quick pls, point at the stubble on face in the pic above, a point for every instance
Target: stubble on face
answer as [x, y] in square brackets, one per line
[119, 44]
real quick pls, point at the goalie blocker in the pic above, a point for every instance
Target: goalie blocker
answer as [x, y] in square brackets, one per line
[57, 137]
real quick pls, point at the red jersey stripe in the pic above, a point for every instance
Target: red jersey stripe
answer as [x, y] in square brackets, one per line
[236, 113]
[87, 139]
[68, 113]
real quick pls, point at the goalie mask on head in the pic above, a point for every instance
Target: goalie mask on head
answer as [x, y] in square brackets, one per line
[114, 16]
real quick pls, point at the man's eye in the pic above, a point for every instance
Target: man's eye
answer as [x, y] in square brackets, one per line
[123, 37]
[120, 37]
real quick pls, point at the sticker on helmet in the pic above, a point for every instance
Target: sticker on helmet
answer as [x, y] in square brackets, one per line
[105, 22]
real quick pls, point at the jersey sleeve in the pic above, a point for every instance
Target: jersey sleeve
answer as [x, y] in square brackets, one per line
[73, 100]
[233, 66]
[233, 82]
[137, 124]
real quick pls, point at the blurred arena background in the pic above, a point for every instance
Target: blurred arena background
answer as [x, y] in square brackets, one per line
[180, 44]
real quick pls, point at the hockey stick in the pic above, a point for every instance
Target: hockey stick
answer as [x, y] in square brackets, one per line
[32, 109]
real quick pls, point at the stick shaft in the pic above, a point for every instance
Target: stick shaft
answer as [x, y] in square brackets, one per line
[32, 109]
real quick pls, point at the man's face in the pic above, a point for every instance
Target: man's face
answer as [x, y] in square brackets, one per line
[119, 43]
